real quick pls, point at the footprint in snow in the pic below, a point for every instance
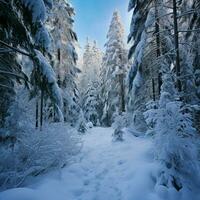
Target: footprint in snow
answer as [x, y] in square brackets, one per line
[86, 182]
[101, 174]
[78, 192]
[121, 162]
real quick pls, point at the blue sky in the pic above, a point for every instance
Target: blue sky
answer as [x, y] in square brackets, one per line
[93, 18]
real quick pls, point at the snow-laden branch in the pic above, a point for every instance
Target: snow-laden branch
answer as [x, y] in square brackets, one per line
[186, 31]
[5, 86]
[5, 50]
[13, 74]
[192, 11]
[15, 49]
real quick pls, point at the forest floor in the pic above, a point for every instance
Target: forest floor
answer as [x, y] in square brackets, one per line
[103, 170]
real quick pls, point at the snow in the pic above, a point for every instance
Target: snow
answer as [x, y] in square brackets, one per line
[49, 3]
[37, 7]
[131, 5]
[42, 37]
[35, 151]
[104, 170]
[150, 18]
[137, 80]
[50, 77]
[45, 68]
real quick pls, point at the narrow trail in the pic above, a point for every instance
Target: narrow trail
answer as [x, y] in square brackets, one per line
[104, 170]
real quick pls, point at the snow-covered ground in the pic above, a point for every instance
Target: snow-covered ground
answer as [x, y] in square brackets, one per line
[104, 170]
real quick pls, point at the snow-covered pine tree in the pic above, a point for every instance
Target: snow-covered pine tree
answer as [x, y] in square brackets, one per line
[96, 60]
[83, 79]
[190, 43]
[194, 24]
[65, 59]
[91, 104]
[157, 37]
[175, 137]
[89, 83]
[23, 26]
[92, 58]
[183, 48]
[23, 31]
[170, 119]
[113, 72]
[152, 41]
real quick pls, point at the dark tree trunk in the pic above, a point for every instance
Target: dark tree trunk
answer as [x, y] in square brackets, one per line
[41, 108]
[65, 111]
[59, 55]
[153, 89]
[176, 44]
[158, 51]
[36, 114]
[122, 92]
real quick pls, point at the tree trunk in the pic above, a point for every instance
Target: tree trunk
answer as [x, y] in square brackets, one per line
[65, 111]
[158, 51]
[122, 93]
[36, 114]
[59, 56]
[176, 44]
[153, 89]
[41, 108]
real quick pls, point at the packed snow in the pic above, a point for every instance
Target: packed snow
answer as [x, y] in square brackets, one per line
[104, 170]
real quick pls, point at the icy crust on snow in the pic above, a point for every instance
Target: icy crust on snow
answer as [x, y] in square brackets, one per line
[105, 170]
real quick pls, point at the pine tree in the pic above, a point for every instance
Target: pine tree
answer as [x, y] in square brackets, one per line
[84, 78]
[64, 58]
[175, 145]
[24, 31]
[89, 83]
[92, 58]
[91, 104]
[157, 37]
[23, 25]
[113, 72]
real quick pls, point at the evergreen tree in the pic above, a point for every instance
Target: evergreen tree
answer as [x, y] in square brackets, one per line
[24, 31]
[83, 79]
[65, 59]
[175, 145]
[113, 72]
[92, 58]
[23, 25]
[157, 37]
[89, 83]
[91, 104]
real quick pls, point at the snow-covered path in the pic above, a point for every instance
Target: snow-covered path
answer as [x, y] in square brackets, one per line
[104, 170]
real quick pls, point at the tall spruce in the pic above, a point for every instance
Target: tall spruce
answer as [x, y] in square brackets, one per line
[64, 59]
[113, 72]
[89, 83]
[23, 26]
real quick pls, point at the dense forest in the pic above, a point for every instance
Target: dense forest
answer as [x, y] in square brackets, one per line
[135, 103]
